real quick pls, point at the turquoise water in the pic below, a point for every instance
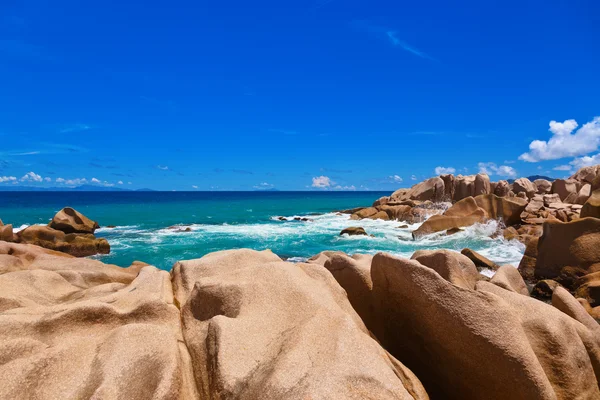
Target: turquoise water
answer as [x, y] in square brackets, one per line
[226, 220]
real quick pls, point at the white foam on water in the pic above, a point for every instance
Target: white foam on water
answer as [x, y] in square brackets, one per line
[120, 229]
[321, 232]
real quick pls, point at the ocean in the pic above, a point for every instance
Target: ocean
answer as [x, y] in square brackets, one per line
[144, 224]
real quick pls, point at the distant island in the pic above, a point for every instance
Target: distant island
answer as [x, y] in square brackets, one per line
[82, 188]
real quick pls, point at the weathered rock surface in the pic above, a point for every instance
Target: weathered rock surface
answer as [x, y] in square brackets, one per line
[502, 188]
[258, 327]
[591, 208]
[447, 335]
[463, 213]
[431, 189]
[480, 261]
[524, 185]
[6, 233]
[353, 231]
[564, 188]
[452, 266]
[573, 244]
[77, 329]
[543, 186]
[69, 220]
[354, 275]
[79, 245]
[505, 209]
[507, 277]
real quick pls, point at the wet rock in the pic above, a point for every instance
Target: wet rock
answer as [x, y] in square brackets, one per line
[353, 231]
[463, 213]
[480, 261]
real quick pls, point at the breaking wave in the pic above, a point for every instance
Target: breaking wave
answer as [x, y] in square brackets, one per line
[298, 237]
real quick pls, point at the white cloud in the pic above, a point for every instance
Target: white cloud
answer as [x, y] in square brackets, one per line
[562, 168]
[129, 183]
[31, 177]
[444, 170]
[72, 182]
[264, 185]
[97, 181]
[339, 187]
[321, 182]
[395, 178]
[492, 169]
[565, 143]
[413, 178]
[7, 179]
[163, 167]
[48, 179]
[586, 161]
[120, 182]
[194, 187]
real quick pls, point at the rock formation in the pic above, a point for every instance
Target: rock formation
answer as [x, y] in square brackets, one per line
[258, 327]
[78, 329]
[70, 221]
[69, 232]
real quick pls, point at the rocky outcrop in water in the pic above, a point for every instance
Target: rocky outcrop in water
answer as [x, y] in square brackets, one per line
[69, 220]
[69, 232]
[522, 206]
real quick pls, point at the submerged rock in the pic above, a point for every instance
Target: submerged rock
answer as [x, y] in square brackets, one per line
[353, 231]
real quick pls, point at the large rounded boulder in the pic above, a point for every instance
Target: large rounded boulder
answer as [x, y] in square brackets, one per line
[482, 343]
[258, 327]
[68, 220]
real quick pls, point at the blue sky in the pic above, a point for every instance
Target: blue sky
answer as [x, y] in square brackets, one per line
[295, 95]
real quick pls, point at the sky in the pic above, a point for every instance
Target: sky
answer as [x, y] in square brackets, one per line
[296, 94]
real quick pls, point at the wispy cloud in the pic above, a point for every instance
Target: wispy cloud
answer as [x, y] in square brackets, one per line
[264, 185]
[491, 168]
[75, 128]
[162, 167]
[444, 170]
[392, 37]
